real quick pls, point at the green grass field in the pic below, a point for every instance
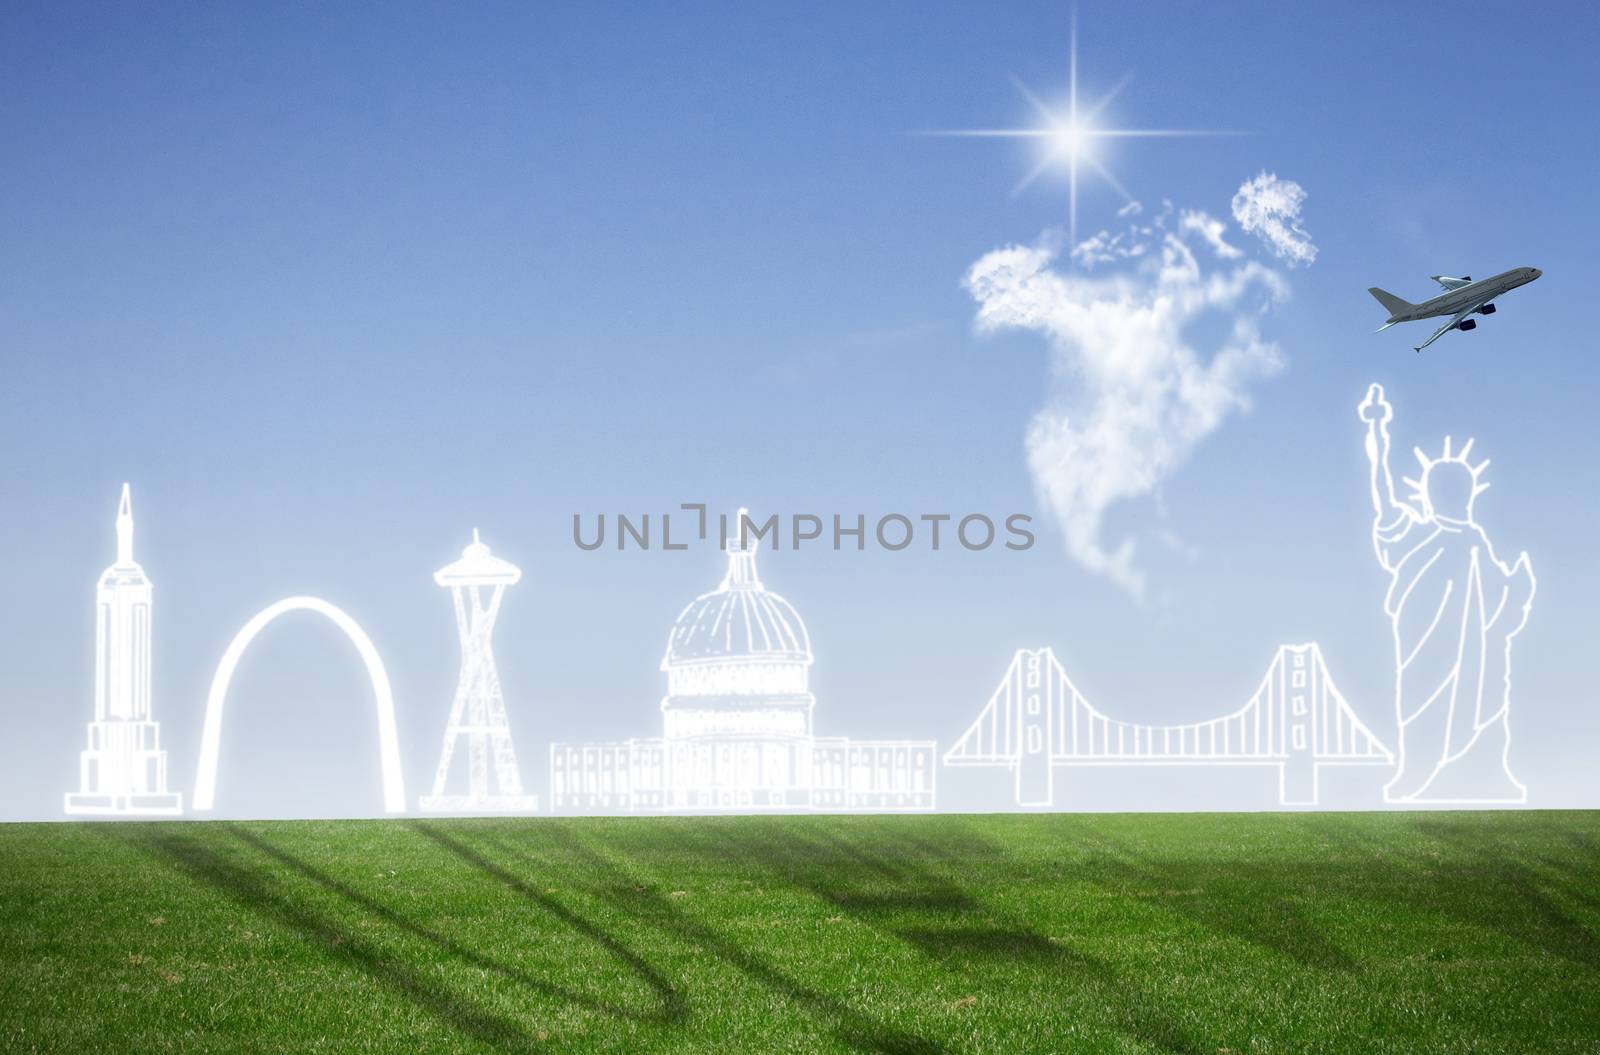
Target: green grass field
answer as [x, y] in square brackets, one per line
[1179, 933]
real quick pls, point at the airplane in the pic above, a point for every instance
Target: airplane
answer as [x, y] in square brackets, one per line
[1461, 298]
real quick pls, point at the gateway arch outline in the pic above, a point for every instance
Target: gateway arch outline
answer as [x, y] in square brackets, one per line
[205, 786]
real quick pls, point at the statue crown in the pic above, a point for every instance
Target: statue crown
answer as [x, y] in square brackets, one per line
[1448, 484]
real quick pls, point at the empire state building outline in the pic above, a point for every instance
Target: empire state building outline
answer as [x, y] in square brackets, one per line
[124, 769]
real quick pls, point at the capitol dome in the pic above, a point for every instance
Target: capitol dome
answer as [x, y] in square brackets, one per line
[740, 643]
[740, 621]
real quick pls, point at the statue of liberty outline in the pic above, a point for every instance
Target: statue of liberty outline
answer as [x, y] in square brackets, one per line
[1455, 608]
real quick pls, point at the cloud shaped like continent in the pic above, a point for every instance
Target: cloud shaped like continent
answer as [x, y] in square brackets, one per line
[1131, 398]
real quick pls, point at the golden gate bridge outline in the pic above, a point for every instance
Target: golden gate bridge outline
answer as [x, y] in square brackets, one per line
[1298, 720]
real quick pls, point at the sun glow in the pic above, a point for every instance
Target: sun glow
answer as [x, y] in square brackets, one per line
[1070, 139]
[1070, 136]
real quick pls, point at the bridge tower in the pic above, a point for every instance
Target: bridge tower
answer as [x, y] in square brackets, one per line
[478, 714]
[1297, 683]
[1030, 685]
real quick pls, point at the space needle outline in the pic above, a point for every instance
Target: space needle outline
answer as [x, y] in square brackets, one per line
[478, 711]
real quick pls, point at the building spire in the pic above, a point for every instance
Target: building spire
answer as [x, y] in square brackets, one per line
[741, 556]
[125, 528]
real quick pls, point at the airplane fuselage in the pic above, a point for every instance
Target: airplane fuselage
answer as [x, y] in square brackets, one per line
[1473, 293]
[1461, 299]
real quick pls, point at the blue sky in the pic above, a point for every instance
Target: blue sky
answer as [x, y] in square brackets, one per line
[334, 285]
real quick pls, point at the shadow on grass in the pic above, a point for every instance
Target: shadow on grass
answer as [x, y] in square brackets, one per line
[1000, 943]
[253, 891]
[894, 884]
[671, 1000]
[1464, 867]
[1578, 869]
[633, 895]
[1231, 904]
[960, 932]
[1487, 882]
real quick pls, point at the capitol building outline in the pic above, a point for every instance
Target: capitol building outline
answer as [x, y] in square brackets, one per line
[737, 724]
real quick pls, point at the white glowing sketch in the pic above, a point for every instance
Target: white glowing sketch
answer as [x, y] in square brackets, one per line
[478, 714]
[1454, 608]
[738, 724]
[1297, 721]
[124, 769]
[205, 783]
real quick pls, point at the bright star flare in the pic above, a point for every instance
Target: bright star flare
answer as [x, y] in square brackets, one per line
[1069, 138]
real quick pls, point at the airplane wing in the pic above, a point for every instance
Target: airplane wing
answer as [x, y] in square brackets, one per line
[1455, 320]
[1452, 283]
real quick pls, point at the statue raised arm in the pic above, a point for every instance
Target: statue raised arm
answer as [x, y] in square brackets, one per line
[1376, 412]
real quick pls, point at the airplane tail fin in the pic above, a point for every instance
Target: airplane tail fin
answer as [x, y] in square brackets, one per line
[1391, 303]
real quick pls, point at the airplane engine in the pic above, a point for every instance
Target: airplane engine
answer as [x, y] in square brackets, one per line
[1470, 324]
[1487, 309]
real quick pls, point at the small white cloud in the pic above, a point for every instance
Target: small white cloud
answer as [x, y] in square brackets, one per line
[1269, 208]
[1132, 398]
[1210, 228]
[1133, 208]
[1105, 247]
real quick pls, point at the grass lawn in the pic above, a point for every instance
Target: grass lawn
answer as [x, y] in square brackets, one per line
[1443, 932]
